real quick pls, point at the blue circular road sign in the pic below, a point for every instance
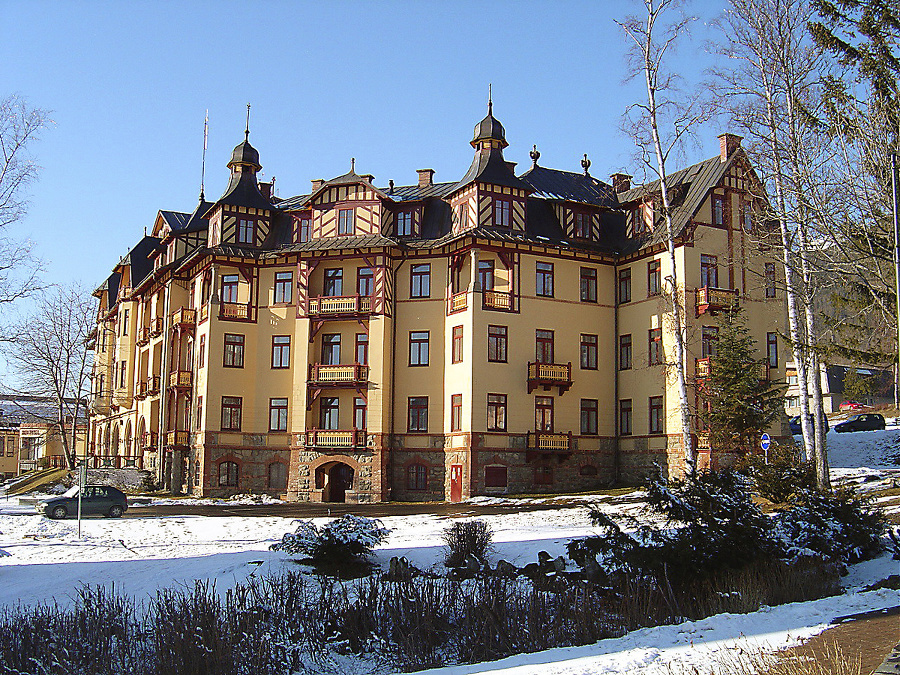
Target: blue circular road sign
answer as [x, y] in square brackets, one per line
[765, 442]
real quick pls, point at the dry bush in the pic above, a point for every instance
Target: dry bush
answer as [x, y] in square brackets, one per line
[467, 538]
[740, 661]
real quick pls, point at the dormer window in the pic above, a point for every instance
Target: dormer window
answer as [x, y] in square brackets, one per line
[304, 225]
[502, 213]
[404, 226]
[246, 231]
[582, 225]
[461, 215]
[345, 222]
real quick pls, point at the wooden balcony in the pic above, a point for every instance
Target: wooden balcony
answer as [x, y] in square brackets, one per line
[148, 441]
[143, 336]
[702, 367]
[335, 438]
[338, 306]
[156, 327]
[548, 375]
[140, 391]
[703, 440]
[234, 310]
[184, 317]
[204, 311]
[349, 375]
[178, 438]
[152, 385]
[498, 301]
[458, 302]
[548, 444]
[714, 300]
[181, 379]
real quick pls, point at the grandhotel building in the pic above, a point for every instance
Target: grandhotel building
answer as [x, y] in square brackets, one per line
[495, 334]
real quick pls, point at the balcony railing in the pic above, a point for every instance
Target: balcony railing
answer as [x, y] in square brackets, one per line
[459, 302]
[181, 378]
[234, 310]
[143, 336]
[184, 317]
[156, 327]
[702, 367]
[497, 300]
[549, 375]
[338, 375]
[204, 311]
[140, 391]
[335, 438]
[713, 300]
[549, 441]
[153, 385]
[339, 305]
[703, 440]
[148, 441]
[176, 438]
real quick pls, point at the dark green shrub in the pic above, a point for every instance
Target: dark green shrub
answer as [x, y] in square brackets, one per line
[345, 540]
[783, 475]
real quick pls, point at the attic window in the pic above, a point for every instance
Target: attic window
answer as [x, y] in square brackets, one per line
[303, 228]
[502, 212]
[346, 225]
[246, 232]
[582, 225]
[404, 227]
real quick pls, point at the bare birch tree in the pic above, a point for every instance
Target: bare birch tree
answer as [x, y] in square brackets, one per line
[20, 126]
[772, 79]
[660, 126]
[49, 356]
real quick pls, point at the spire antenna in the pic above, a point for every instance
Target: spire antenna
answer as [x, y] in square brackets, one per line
[353, 165]
[247, 129]
[490, 100]
[203, 161]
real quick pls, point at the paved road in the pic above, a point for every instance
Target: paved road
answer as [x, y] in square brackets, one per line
[307, 510]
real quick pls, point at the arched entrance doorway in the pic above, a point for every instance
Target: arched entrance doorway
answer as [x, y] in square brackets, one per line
[334, 479]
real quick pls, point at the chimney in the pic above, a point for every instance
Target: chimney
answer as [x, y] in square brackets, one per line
[512, 167]
[317, 183]
[266, 189]
[621, 182]
[426, 177]
[728, 143]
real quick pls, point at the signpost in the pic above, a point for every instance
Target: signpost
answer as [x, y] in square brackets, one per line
[82, 479]
[765, 443]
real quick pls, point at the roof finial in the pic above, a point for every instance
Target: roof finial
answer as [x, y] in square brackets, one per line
[490, 100]
[247, 129]
[586, 164]
[203, 161]
[353, 165]
[534, 154]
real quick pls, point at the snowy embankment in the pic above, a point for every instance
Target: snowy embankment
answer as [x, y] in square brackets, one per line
[47, 562]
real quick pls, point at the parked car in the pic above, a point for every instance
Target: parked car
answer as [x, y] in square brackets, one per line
[863, 422]
[797, 429]
[98, 500]
[851, 406]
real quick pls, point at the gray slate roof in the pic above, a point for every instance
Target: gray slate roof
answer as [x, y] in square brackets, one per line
[569, 186]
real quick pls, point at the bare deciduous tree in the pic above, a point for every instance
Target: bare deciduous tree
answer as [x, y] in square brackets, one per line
[769, 90]
[49, 356]
[20, 126]
[659, 127]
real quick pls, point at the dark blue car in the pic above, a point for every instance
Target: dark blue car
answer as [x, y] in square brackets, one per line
[796, 429]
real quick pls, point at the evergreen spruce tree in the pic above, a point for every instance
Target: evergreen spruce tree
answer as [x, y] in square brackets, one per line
[857, 387]
[738, 401]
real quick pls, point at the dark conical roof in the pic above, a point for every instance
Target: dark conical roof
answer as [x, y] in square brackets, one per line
[489, 129]
[244, 153]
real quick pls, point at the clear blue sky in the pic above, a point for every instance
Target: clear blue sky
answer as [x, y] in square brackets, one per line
[397, 85]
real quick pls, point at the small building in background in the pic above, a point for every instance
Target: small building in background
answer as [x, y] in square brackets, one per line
[833, 377]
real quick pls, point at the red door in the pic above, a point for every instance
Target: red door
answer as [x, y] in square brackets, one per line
[456, 482]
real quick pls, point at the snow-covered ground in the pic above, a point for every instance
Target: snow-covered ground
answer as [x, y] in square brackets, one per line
[47, 562]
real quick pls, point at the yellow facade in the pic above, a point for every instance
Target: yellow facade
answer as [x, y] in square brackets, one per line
[427, 342]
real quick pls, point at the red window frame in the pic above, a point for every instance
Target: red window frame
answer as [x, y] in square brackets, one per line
[230, 288]
[654, 278]
[417, 414]
[654, 346]
[246, 231]
[590, 413]
[589, 351]
[625, 352]
[486, 275]
[456, 350]
[278, 414]
[626, 418]
[418, 347]
[718, 211]
[281, 351]
[497, 344]
[655, 410]
[333, 282]
[365, 281]
[456, 412]
[404, 224]
[624, 285]
[417, 477]
[346, 222]
[543, 413]
[232, 407]
[582, 224]
[588, 285]
[502, 213]
[331, 349]
[496, 412]
[229, 474]
[543, 285]
[772, 350]
[284, 282]
[770, 280]
[420, 280]
[360, 413]
[362, 349]
[543, 345]
[233, 353]
[709, 271]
